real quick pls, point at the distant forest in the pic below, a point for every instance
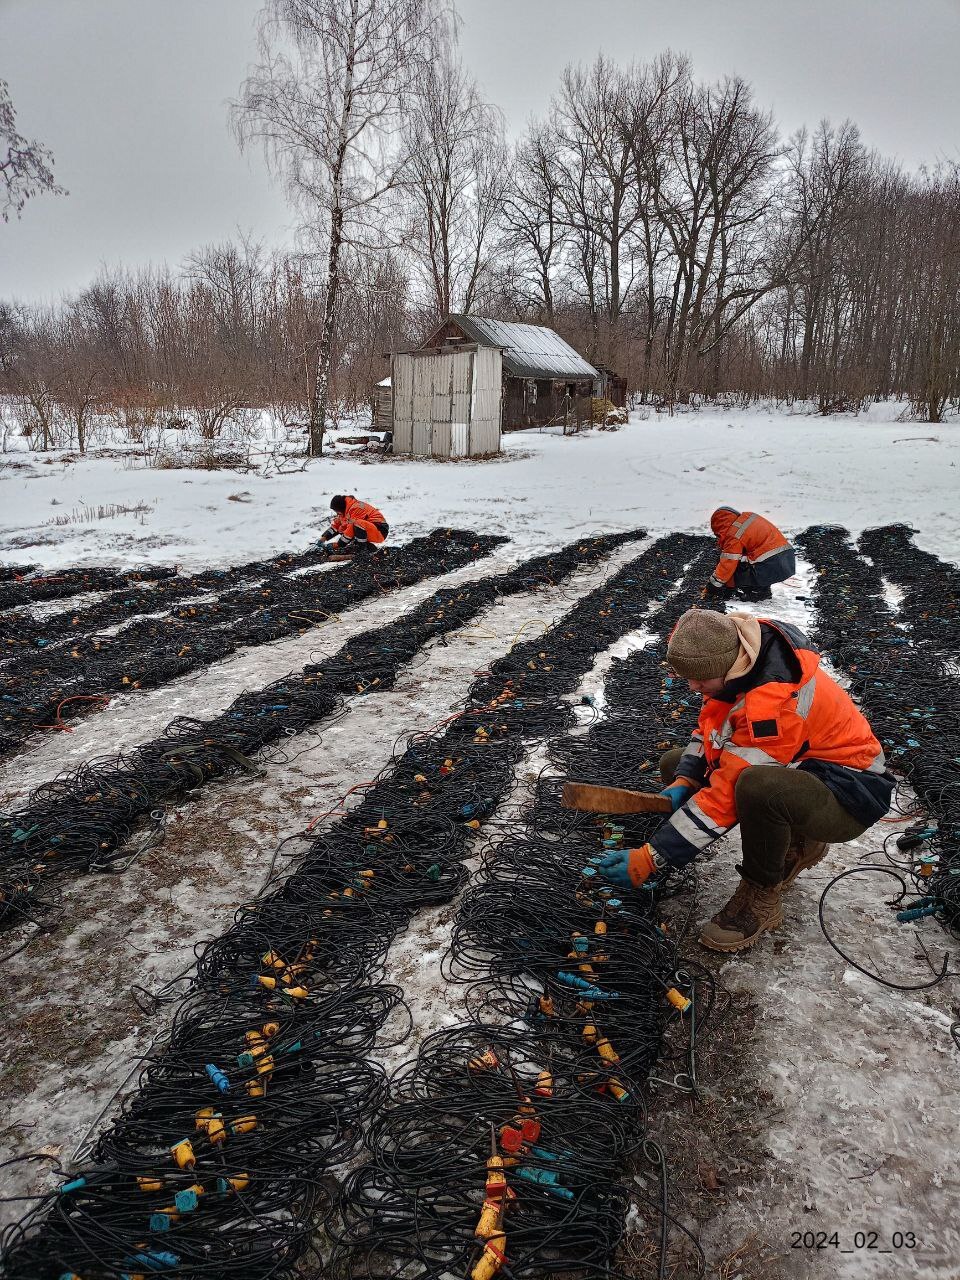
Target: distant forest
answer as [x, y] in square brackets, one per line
[662, 225]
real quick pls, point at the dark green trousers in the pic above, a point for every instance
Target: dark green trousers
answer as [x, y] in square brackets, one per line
[774, 806]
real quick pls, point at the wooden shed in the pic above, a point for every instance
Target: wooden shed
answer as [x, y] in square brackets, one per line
[474, 377]
[612, 386]
[383, 406]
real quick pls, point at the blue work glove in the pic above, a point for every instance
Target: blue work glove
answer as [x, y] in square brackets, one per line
[678, 793]
[628, 868]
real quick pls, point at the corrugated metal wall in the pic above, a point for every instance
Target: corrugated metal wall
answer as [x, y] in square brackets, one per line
[402, 380]
[447, 405]
[487, 392]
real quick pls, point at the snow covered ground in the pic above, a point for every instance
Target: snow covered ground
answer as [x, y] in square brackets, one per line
[860, 1133]
[667, 472]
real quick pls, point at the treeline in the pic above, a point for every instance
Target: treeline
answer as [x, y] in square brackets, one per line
[661, 224]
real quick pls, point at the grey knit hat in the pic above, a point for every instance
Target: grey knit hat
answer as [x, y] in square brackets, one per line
[704, 645]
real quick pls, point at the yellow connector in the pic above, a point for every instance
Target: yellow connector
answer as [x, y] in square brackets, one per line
[544, 1086]
[678, 1000]
[485, 1062]
[607, 1051]
[183, 1154]
[489, 1220]
[492, 1258]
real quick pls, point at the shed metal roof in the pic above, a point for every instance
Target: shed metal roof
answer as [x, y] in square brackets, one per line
[529, 350]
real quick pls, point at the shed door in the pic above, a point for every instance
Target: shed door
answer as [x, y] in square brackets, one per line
[423, 372]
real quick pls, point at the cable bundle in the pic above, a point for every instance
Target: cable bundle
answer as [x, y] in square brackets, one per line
[214, 1166]
[21, 630]
[10, 571]
[503, 1140]
[81, 819]
[913, 706]
[931, 606]
[38, 690]
[71, 582]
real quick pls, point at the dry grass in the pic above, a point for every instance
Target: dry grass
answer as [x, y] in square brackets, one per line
[202, 459]
[103, 511]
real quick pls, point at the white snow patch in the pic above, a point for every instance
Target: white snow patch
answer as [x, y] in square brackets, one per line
[666, 472]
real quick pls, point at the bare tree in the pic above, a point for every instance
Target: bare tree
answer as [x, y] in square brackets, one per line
[26, 167]
[455, 182]
[535, 229]
[326, 103]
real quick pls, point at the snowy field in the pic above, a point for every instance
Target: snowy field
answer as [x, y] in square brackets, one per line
[661, 471]
[857, 1130]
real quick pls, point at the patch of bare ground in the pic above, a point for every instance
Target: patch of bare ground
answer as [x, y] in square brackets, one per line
[711, 1137]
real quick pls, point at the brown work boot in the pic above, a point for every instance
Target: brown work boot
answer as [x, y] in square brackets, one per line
[751, 911]
[803, 853]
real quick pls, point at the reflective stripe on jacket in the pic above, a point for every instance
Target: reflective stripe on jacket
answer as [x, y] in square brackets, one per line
[357, 512]
[786, 712]
[743, 537]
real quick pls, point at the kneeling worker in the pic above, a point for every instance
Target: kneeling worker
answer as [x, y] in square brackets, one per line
[355, 523]
[754, 555]
[767, 705]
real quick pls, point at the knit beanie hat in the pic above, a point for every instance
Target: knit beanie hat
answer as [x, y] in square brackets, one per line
[721, 519]
[704, 645]
[338, 502]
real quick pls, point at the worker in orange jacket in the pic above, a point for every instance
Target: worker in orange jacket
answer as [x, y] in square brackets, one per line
[356, 524]
[754, 554]
[779, 748]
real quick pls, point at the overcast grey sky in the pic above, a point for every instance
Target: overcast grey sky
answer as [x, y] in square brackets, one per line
[131, 95]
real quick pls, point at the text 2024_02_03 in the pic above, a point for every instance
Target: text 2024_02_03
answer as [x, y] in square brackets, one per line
[861, 1241]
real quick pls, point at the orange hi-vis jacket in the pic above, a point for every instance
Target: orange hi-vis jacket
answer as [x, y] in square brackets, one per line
[745, 538]
[359, 513]
[787, 712]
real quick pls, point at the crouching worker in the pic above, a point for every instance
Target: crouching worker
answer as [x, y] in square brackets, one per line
[754, 555]
[354, 524]
[780, 749]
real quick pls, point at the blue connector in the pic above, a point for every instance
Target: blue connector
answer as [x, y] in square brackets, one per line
[589, 990]
[186, 1201]
[218, 1077]
[154, 1260]
[915, 913]
[159, 1222]
[75, 1185]
[547, 1181]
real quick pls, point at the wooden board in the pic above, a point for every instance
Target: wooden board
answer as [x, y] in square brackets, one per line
[581, 795]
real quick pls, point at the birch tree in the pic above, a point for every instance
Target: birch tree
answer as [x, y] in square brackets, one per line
[26, 167]
[326, 102]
